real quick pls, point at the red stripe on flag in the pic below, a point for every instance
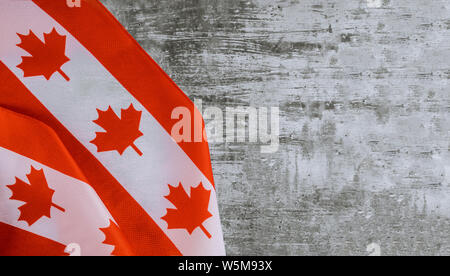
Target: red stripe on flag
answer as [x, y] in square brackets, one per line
[39, 143]
[142, 233]
[125, 59]
[18, 242]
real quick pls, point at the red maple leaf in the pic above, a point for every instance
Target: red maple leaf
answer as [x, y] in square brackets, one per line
[115, 238]
[121, 133]
[191, 212]
[46, 57]
[36, 195]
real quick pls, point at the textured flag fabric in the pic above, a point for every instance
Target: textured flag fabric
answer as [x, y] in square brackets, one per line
[87, 162]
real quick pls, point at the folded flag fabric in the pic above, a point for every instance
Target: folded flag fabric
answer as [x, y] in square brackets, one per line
[87, 162]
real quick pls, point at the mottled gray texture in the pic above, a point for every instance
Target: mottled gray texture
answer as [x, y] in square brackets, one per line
[364, 98]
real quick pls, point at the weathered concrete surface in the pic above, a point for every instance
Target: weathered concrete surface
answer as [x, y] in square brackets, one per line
[364, 97]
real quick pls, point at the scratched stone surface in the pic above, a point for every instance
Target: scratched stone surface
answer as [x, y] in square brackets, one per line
[363, 90]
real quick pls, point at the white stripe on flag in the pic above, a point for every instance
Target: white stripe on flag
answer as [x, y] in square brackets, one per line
[84, 213]
[146, 178]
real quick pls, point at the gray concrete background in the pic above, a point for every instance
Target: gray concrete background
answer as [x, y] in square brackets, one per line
[364, 98]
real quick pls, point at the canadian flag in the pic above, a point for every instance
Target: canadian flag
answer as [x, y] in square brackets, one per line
[87, 162]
